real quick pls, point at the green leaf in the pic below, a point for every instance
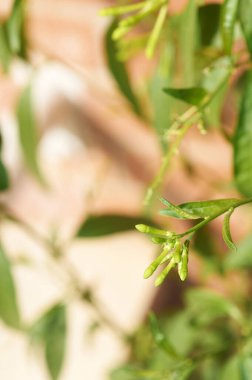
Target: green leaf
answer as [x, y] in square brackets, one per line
[102, 225]
[187, 38]
[9, 312]
[119, 71]
[176, 211]
[211, 303]
[228, 19]
[226, 230]
[242, 142]
[15, 28]
[242, 259]
[194, 95]
[203, 209]
[245, 9]
[50, 331]
[161, 103]
[209, 18]
[28, 133]
[4, 178]
[5, 54]
[160, 339]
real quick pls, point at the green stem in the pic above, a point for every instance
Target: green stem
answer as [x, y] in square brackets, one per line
[186, 118]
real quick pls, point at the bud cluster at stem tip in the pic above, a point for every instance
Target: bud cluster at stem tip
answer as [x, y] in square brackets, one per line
[174, 252]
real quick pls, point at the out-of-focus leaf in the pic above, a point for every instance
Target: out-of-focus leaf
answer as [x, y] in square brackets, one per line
[50, 331]
[5, 54]
[209, 18]
[193, 95]
[242, 259]
[216, 76]
[4, 178]
[119, 71]
[226, 230]
[204, 209]
[160, 102]
[245, 367]
[187, 35]
[15, 28]
[28, 133]
[243, 142]
[228, 20]
[231, 370]
[160, 338]
[9, 311]
[245, 9]
[102, 225]
[211, 303]
[215, 80]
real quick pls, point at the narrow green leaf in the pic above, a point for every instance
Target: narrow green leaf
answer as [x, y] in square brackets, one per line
[5, 54]
[176, 211]
[56, 342]
[4, 178]
[209, 18]
[194, 95]
[119, 71]
[15, 28]
[160, 339]
[102, 225]
[28, 133]
[245, 10]
[50, 332]
[242, 259]
[226, 230]
[9, 312]
[187, 34]
[242, 142]
[203, 209]
[161, 103]
[228, 20]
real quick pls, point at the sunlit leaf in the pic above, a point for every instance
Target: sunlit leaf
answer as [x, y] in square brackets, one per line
[9, 312]
[228, 20]
[226, 230]
[28, 132]
[119, 71]
[176, 211]
[243, 142]
[203, 209]
[193, 95]
[245, 9]
[102, 225]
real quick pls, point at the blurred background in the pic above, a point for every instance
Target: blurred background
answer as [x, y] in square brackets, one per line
[97, 157]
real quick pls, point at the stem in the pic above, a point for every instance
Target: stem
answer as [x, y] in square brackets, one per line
[155, 34]
[186, 118]
[67, 267]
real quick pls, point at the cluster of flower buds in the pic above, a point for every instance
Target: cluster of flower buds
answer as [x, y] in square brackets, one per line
[131, 14]
[174, 253]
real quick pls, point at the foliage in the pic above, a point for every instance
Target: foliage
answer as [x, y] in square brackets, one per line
[196, 57]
